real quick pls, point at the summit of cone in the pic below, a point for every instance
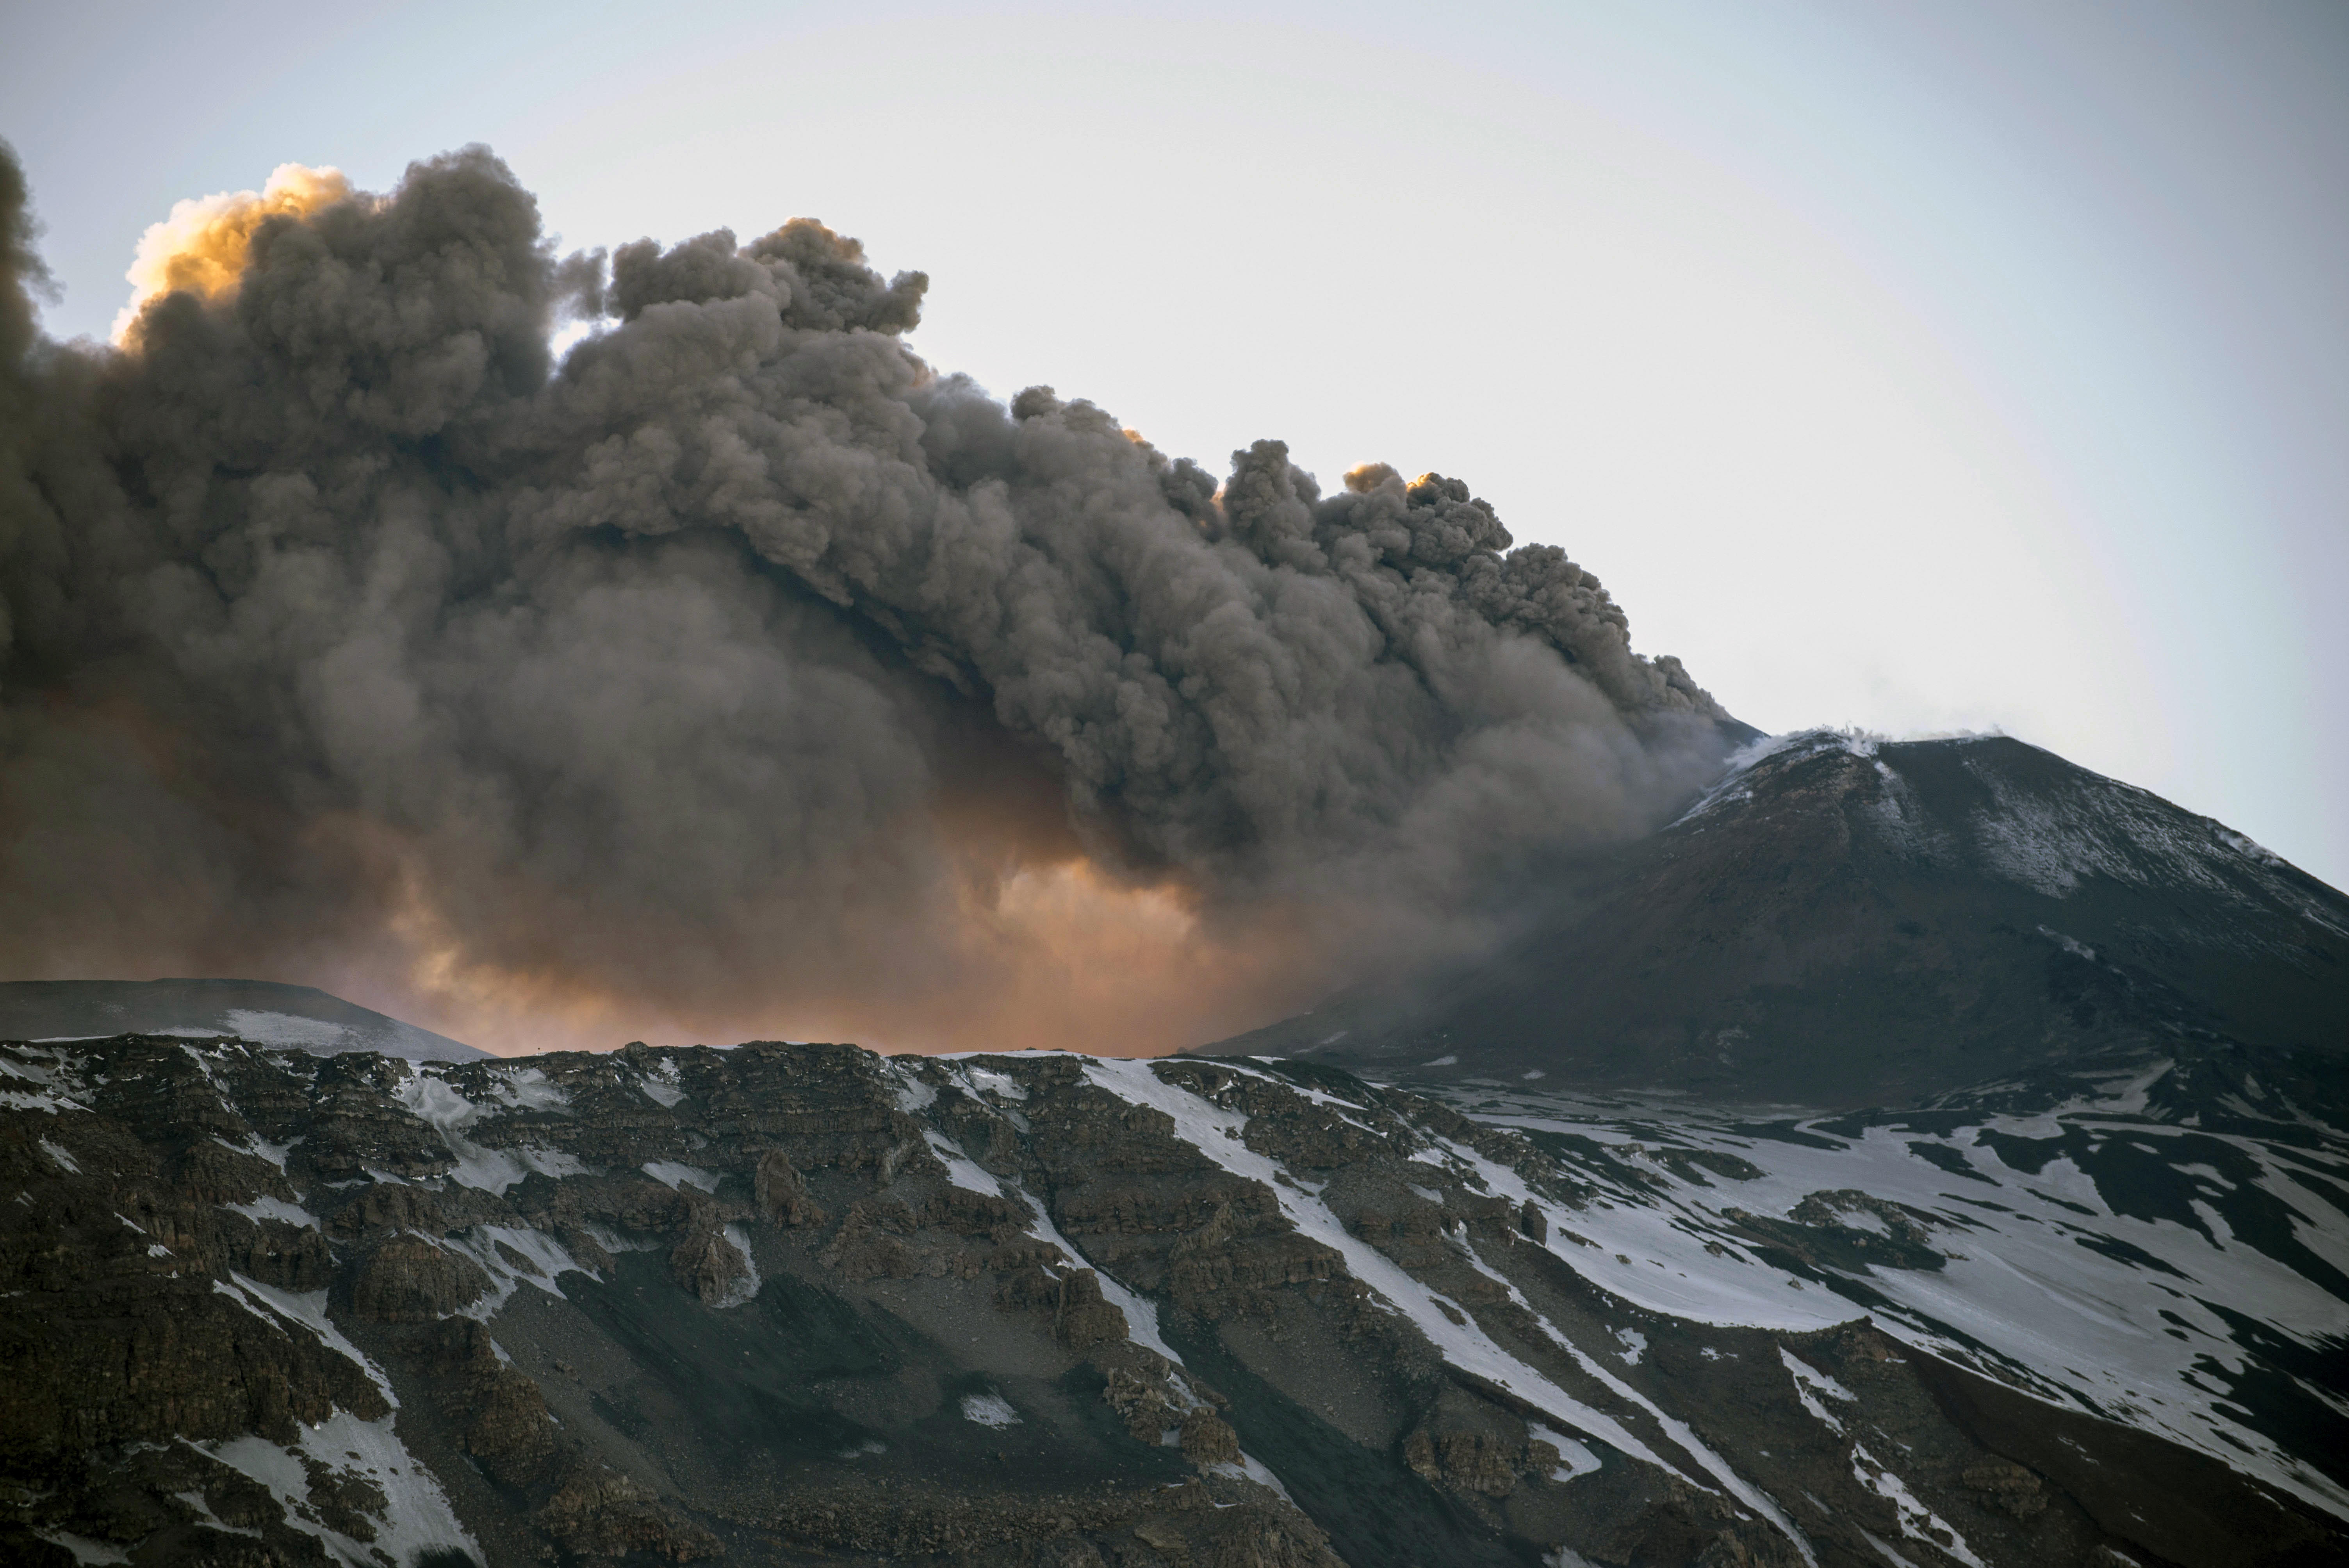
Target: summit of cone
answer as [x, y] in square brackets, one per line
[1845, 920]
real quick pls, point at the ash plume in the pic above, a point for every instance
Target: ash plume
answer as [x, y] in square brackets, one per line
[739, 671]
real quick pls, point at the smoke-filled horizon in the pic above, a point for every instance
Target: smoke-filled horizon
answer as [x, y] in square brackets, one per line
[738, 674]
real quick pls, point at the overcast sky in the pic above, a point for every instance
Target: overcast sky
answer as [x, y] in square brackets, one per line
[1917, 368]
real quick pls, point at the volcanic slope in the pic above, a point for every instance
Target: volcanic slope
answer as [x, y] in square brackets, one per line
[802, 1303]
[264, 1011]
[1844, 921]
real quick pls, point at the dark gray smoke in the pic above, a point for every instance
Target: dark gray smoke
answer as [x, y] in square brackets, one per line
[740, 665]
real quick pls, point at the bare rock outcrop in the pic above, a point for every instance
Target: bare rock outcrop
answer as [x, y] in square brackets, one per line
[408, 1279]
[781, 1191]
[709, 1265]
[601, 1513]
[1149, 1336]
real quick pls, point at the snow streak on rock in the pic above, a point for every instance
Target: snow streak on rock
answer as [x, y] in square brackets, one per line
[2101, 1254]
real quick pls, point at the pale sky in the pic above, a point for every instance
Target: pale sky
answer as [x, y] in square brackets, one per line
[1917, 368]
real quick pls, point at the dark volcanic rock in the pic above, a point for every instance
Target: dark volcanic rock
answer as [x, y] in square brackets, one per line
[409, 1280]
[605, 1513]
[709, 1266]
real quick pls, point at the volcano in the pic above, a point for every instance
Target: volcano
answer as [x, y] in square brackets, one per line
[1848, 921]
[264, 1011]
[2071, 1289]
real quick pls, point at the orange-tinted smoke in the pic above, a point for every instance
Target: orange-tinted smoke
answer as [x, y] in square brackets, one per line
[1056, 956]
[1029, 941]
[202, 247]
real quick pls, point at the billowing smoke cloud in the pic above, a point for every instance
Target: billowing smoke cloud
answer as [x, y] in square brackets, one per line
[204, 245]
[740, 673]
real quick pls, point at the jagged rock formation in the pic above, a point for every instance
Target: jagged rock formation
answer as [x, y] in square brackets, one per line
[1844, 921]
[801, 1303]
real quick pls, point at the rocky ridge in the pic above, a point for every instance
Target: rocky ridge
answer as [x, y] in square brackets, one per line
[792, 1304]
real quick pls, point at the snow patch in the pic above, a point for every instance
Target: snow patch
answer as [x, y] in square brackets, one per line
[660, 1083]
[961, 1169]
[530, 1089]
[1464, 1344]
[88, 1553]
[548, 1256]
[1574, 1458]
[2021, 1299]
[265, 1207]
[1809, 1384]
[674, 1176]
[1141, 1312]
[746, 1289]
[994, 1082]
[495, 1169]
[1918, 1523]
[431, 1097]
[1250, 1468]
[264, 1028]
[914, 1095]
[259, 1148]
[415, 1518]
[989, 1411]
[308, 1311]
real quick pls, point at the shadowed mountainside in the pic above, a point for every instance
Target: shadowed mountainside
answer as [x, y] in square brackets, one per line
[1844, 921]
[795, 1305]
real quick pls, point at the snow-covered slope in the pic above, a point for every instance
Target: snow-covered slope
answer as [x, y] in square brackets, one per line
[799, 1304]
[2183, 1271]
[262, 1011]
[1996, 807]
